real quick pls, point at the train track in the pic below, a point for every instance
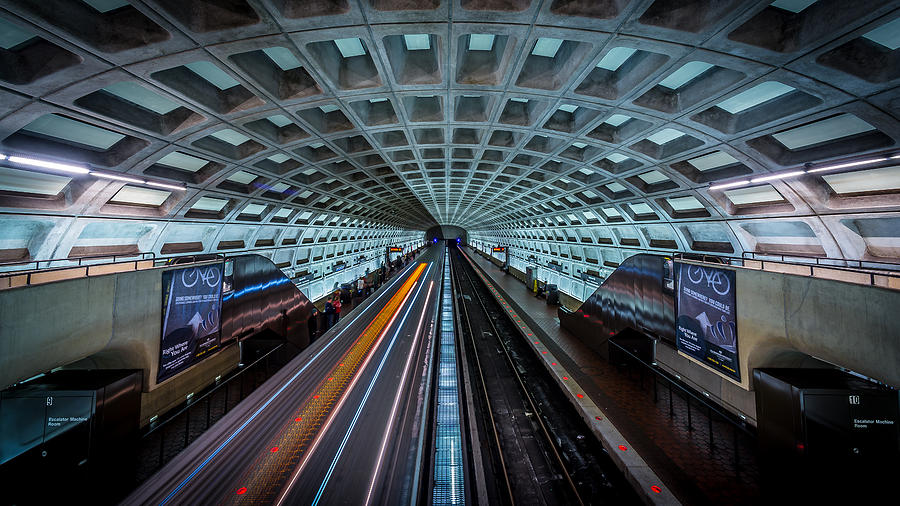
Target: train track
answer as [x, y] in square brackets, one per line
[535, 447]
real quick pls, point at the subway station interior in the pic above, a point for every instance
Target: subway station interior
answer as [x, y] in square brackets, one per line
[449, 252]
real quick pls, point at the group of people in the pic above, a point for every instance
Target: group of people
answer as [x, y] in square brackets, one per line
[332, 311]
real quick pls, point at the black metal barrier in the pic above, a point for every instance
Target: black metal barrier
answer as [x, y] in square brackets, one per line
[705, 409]
[164, 439]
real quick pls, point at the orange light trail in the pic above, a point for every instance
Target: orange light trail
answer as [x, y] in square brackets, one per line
[265, 477]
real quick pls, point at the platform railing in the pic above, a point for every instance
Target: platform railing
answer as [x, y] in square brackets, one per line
[163, 439]
[80, 267]
[707, 408]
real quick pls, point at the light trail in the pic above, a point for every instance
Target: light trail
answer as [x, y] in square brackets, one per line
[363, 402]
[230, 438]
[390, 425]
[406, 291]
[264, 479]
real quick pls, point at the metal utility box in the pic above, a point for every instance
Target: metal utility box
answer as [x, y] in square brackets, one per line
[529, 277]
[68, 431]
[826, 433]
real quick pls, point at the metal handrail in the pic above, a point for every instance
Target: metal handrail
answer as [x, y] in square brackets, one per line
[889, 271]
[157, 262]
[74, 262]
[704, 402]
[158, 425]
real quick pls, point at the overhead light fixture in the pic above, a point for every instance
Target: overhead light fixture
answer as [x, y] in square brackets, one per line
[773, 177]
[117, 177]
[729, 185]
[62, 167]
[166, 186]
[2, 156]
[849, 164]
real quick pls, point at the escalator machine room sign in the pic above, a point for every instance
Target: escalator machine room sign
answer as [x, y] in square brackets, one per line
[706, 328]
[192, 302]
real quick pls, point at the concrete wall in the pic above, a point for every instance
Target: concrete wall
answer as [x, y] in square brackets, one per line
[108, 321]
[787, 320]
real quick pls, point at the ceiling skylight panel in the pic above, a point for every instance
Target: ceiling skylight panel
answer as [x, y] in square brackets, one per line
[888, 35]
[350, 47]
[836, 127]
[328, 108]
[617, 119]
[569, 108]
[546, 47]
[641, 208]
[687, 203]
[754, 195]
[25, 181]
[183, 161]
[279, 157]
[231, 137]
[11, 35]
[653, 177]
[862, 181]
[794, 6]
[212, 74]
[254, 209]
[665, 136]
[712, 161]
[481, 42]
[283, 57]
[105, 6]
[75, 131]
[137, 94]
[140, 196]
[417, 42]
[685, 74]
[242, 177]
[615, 187]
[279, 120]
[280, 187]
[756, 95]
[615, 58]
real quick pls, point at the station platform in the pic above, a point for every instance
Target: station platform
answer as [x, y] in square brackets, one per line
[695, 471]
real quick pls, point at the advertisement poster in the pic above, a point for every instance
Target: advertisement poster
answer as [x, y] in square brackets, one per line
[192, 299]
[706, 328]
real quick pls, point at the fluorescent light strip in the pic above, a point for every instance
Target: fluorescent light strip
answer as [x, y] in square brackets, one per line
[850, 164]
[117, 177]
[729, 185]
[777, 176]
[166, 186]
[72, 169]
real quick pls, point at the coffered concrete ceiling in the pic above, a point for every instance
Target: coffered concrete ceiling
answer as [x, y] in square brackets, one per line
[590, 125]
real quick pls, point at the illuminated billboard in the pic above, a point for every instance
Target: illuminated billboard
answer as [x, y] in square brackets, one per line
[706, 327]
[192, 303]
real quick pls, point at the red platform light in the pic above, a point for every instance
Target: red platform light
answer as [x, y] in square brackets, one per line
[656, 489]
[598, 417]
[298, 419]
[586, 315]
[315, 397]
[241, 490]
[623, 447]
[579, 396]
[552, 363]
[544, 352]
[565, 378]
[274, 449]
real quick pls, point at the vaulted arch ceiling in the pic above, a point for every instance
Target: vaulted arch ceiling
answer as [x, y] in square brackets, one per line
[245, 122]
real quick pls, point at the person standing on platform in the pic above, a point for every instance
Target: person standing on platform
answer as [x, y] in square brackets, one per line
[329, 315]
[337, 309]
